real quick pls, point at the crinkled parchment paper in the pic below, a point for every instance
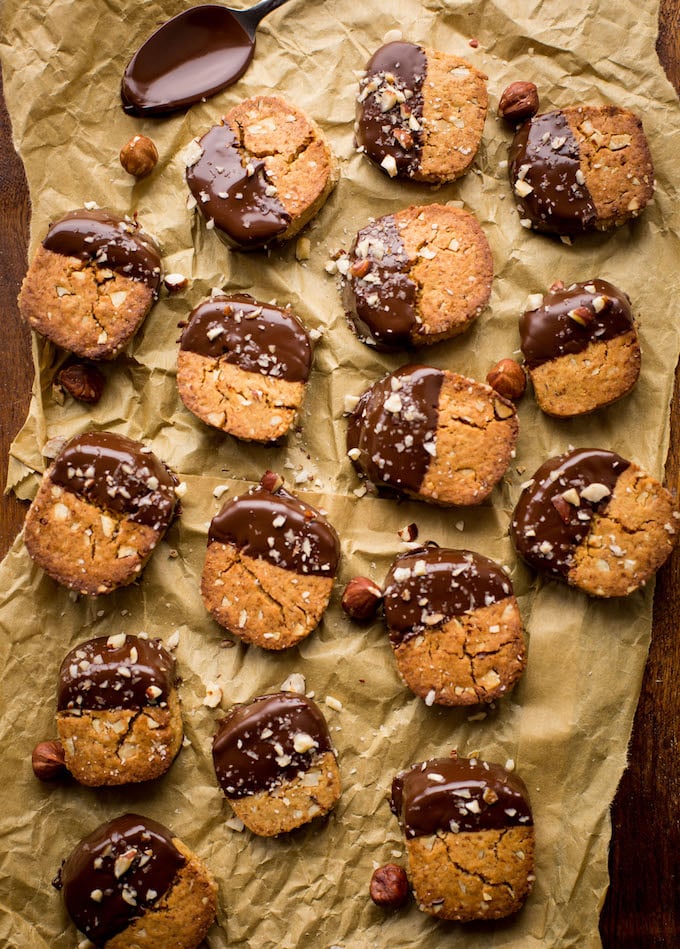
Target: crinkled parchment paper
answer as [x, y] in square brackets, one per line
[567, 724]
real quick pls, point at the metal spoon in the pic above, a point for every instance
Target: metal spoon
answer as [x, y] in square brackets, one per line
[191, 57]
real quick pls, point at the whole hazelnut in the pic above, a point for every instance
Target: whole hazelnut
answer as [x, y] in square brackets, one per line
[83, 381]
[518, 102]
[389, 886]
[48, 760]
[508, 379]
[139, 156]
[361, 598]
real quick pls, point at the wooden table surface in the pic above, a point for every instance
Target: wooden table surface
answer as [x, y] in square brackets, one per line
[642, 908]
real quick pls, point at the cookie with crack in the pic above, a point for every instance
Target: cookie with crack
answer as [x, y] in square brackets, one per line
[595, 520]
[131, 884]
[580, 346]
[275, 763]
[417, 277]
[118, 711]
[243, 366]
[91, 283]
[420, 112]
[262, 174]
[454, 625]
[469, 837]
[101, 509]
[269, 567]
[579, 169]
[432, 434]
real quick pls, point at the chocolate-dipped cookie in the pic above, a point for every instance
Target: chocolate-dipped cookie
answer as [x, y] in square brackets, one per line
[580, 347]
[262, 174]
[243, 365]
[275, 763]
[420, 112]
[100, 510]
[454, 625]
[91, 283]
[132, 885]
[432, 434]
[596, 521]
[581, 168]
[418, 276]
[269, 566]
[469, 837]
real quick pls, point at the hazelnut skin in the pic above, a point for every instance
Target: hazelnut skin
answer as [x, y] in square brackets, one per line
[389, 886]
[361, 598]
[48, 761]
[518, 102]
[82, 381]
[139, 156]
[271, 481]
[508, 379]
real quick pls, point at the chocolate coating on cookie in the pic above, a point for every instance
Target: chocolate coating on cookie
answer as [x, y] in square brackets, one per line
[118, 474]
[255, 747]
[256, 337]
[554, 513]
[102, 675]
[108, 240]
[277, 527]
[572, 318]
[113, 876]
[424, 588]
[457, 794]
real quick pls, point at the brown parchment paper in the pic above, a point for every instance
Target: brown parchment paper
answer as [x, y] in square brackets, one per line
[566, 726]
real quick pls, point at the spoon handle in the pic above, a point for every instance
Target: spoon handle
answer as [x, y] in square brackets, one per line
[251, 17]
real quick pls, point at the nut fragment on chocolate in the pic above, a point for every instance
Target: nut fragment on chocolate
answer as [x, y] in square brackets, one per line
[389, 886]
[361, 598]
[518, 102]
[508, 379]
[139, 156]
[82, 381]
[48, 761]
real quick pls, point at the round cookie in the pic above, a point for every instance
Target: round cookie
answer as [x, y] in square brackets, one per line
[91, 283]
[469, 837]
[100, 510]
[432, 434]
[580, 347]
[262, 174]
[269, 566]
[118, 711]
[130, 883]
[276, 764]
[580, 168]
[596, 521]
[243, 365]
[420, 112]
[454, 625]
[417, 277]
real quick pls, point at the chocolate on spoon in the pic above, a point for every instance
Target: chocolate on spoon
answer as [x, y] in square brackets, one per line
[191, 57]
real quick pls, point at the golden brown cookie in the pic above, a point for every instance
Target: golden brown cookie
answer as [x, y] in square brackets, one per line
[275, 763]
[262, 174]
[92, 281]
[420, 112]
[580, 346]
[269, 566]
[100, 510]
[432, 434]
[131, 885]
[469, 837]
[454, 625]
[596, 521]
[417, 277]
[580, 169]
[243, 365]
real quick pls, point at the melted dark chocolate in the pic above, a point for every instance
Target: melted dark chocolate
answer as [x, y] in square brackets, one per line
[256, 337]
[118, 474]
[427, 587]
[254, 748]
[392, 425]
[381, 303]
[239, 199]
[96, 675]
[545, 152]
[458, 795]
[116, 873]
[279, 528]
[549, 332]
[396, 72]
[546, 527]
[108, 240]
